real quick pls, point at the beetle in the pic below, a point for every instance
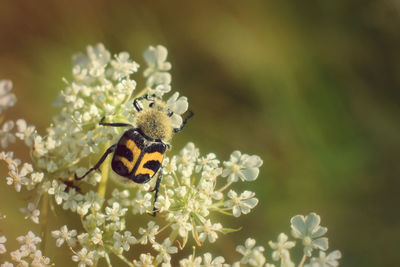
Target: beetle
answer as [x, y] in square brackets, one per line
[139, 153]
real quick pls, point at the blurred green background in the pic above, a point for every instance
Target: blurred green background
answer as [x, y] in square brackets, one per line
[310, 86]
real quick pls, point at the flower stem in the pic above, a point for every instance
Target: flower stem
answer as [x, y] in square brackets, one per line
[104, 177]
[43, 220]
[303, 260]
[173, 236]
[125, 260]
[108, 260]
[225, 187]
[165, 227]
[143, 92]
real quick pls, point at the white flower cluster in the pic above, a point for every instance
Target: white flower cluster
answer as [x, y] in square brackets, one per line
[27, 254]
[305, 228]
[194, 186]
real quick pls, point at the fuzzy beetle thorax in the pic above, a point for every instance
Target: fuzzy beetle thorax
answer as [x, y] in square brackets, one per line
[155, 123]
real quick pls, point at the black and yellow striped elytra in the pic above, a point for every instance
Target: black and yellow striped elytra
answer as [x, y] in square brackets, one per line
[137, 157]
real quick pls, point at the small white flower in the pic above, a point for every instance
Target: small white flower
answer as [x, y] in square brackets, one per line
[210, 174]
[113, 214]
[18, 177]
[39, 260]
[206, 189]
[191, 261]
[123, 66]
[8, 157]
[169, 165]
[58, 190]
[83, 239]
[281, 247]
[6, 136]
[156, 58]
[177, 105]
[84, 257]
[163, 203]
[123, 86]
[286, 261]
[93, 200]
[39, 146]
[182, 225]
[146, 260]
[209, 230]
[241, 166]
[18, 256]
[123, 241]
[330, 260]
[50, 143]
[164, 250]
[308, 229]
[25, 132]
[121, 197]
[251, 255]
[3, 240]
[148, 235]
[156, 72]
[83, 208]
[72, 200]
[29, 241]
[31, 213]
[97, 236]
[98, 57]
[161, 89]
[63, 235]
[7, 99]
[142, 203]
[241, 204]
[7, 264]
[37, 177]
[96, 219]
[209, 262]
[208, 162]
[187, 159]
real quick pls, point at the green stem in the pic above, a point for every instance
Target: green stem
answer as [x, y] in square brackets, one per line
[104, 177]
[143, 92]
[108, 260]
[165, 227]
[43, 220]
[177, 180]
[303, 260]
[125, 260]
[225, 187]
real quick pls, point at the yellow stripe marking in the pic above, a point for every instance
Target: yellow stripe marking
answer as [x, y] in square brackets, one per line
[157, 156]
[131, 145]
[128, 164]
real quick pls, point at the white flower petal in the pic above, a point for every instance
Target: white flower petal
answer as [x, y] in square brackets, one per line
[321, 243]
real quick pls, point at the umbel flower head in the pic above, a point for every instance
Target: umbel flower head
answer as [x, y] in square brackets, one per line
[195, 186]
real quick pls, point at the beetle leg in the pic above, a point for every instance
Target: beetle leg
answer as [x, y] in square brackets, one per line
[156, 189]
[184, 121]
[118, 124]
[111, 149]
